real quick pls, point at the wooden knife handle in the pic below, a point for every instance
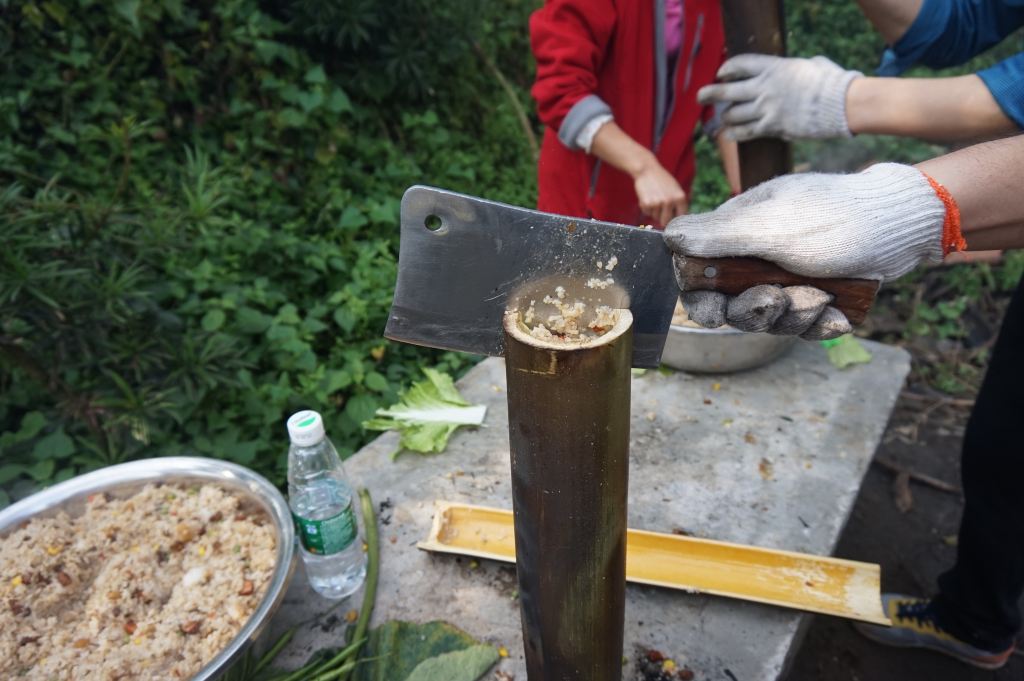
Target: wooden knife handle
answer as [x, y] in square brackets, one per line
[732, 276]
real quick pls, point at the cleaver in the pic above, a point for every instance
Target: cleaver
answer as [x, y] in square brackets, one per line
[463, 261]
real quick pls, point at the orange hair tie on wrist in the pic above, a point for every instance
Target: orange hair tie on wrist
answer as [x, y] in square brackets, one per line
[952, 238]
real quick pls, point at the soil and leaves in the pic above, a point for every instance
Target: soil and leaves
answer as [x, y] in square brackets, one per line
[199, 214]
[906, 519]
[654, 665]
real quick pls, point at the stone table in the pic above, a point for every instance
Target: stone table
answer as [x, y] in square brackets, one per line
[772, 457]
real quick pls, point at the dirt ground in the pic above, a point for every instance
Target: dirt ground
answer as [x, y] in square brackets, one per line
[913, 548]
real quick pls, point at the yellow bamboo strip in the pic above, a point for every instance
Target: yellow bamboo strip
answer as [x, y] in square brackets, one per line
[821, 584]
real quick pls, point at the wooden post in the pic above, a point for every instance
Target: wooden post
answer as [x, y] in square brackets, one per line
[758, 26]
[569, 435]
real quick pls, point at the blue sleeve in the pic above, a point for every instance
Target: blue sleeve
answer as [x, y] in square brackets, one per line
[949, 32]
[1006, 82]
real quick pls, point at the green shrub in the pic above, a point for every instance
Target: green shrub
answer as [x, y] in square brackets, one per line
[200, 231]
[199, 205]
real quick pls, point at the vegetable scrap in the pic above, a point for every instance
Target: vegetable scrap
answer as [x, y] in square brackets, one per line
[427, 414]
[845, 351]
[653, 665]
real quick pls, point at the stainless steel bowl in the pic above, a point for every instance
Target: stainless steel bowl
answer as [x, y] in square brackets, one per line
[126, 479]
[721, 351]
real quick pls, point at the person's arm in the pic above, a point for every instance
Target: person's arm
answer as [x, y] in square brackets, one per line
[891, 18]
[943, 33]
[985, 181]
[729, 153]
[569, 39]
[876, 224]
[814, 98]
[660, 196]
[940, 109]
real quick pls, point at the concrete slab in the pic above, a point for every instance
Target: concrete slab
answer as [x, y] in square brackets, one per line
[772, 457]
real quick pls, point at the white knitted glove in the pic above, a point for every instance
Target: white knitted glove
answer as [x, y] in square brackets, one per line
[781, 97]
[876, 224]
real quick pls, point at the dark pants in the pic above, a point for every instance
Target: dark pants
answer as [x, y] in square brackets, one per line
[978, 599]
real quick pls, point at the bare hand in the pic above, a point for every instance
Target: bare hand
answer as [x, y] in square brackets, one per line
[661, 198]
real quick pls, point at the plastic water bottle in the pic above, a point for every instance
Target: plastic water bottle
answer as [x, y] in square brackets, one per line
[321, 499]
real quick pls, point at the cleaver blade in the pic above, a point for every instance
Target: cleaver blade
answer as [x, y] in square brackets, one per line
[464, 260]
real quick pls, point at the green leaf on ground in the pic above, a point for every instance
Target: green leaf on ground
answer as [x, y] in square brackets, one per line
[428, 413]
[846, 351]
[461, 665]
[399, 651]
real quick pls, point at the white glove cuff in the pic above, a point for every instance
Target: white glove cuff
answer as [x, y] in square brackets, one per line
[832, 106]
[905, 218]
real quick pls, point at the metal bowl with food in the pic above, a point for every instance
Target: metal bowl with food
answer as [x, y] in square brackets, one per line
[194, 495]
[692, 348]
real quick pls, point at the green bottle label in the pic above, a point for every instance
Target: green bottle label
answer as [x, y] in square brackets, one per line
[327, 536]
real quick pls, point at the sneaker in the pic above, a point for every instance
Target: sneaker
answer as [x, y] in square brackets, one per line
[914, 626]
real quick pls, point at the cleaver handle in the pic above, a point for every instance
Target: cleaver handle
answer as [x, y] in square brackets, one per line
[732, 276]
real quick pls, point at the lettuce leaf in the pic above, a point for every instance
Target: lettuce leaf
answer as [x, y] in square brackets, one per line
[846, 351]
[427, 414]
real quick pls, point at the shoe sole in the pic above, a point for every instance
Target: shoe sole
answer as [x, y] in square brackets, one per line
[974, 662]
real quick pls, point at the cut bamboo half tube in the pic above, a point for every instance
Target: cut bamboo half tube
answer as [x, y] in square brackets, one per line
[830, 586]
[568, 423]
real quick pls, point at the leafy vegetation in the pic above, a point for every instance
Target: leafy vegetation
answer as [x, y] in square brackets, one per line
[199, 206]
[200, 226]
[429, 412]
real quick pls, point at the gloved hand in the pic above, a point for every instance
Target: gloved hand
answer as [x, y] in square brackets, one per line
[783, 97]
[876, 224]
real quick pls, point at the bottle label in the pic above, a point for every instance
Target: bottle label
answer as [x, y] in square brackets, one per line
[327, 536]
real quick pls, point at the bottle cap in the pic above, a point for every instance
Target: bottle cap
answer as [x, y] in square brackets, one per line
[306, 428]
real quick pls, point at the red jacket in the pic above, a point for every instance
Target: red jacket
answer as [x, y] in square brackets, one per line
[592, 53]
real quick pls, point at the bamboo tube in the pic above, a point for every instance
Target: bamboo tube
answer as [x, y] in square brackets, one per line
[569, 434]
[758, 26]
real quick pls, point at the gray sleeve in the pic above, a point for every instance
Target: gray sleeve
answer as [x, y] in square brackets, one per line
[579, 115]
